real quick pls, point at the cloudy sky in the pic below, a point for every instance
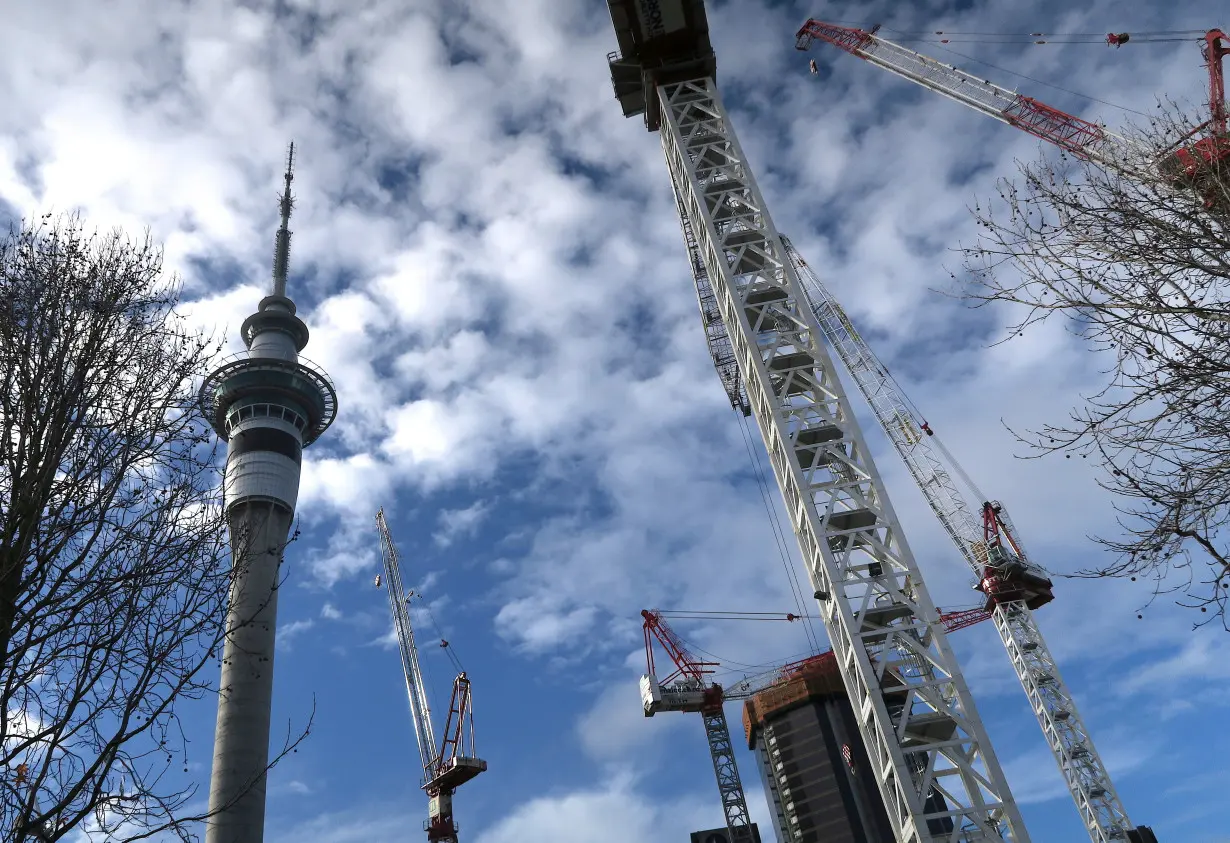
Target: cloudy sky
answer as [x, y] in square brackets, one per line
[487, 256]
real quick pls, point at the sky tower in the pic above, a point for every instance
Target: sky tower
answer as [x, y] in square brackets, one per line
[268, 405]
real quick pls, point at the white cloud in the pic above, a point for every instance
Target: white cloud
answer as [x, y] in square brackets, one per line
[615, 728]
[287, 633]
[458, 523]
[612, 812]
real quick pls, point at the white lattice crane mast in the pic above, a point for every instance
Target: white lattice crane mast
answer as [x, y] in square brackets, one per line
[454, 762]
[1013, 585]
[688, 689]
[915, 713]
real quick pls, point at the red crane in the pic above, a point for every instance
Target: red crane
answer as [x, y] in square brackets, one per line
[1195, 166]
[688, 689]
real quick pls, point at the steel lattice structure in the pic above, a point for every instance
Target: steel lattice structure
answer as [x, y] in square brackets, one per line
[716, 335]
[454, 762]
[915, 712]
[1086, 139]
[420, 710]
[1083, 770]
[730, 787]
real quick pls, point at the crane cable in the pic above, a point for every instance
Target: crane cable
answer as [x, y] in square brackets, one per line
[444, 644]
[778, 531]
[1041, 82]
[944, 36]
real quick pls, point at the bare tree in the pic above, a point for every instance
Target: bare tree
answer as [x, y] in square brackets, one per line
[1135, 259]
[114, 565]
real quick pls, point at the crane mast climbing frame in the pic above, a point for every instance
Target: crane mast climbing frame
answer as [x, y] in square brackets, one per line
[936, 771]
[1013, 586]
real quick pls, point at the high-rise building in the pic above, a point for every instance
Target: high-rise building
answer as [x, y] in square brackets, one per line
[818, 781]
[268, 405]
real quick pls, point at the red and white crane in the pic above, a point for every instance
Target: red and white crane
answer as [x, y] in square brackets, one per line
[871, 597]
[687, 688]
[454, 762]
[1197, 165]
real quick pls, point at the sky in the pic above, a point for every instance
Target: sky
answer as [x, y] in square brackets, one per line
[487, 256]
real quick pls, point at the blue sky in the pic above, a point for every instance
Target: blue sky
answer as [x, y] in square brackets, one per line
[487, 256]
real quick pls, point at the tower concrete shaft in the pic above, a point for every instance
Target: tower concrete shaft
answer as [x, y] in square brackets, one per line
[268, 404]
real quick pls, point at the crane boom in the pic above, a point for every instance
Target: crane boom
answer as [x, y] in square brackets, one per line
[1012, 584]
[1088, 140]
[936, 771]
[420, 711]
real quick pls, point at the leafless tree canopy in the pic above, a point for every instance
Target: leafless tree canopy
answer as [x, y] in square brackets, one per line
[1136, 260]
[113, 562]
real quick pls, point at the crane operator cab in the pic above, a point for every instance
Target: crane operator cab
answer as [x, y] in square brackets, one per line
[1008, 576]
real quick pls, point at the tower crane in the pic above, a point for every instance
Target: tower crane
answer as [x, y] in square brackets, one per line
[1198, 166]
[915, 713]
[1012, 584]
[688, 688]
[454, 763]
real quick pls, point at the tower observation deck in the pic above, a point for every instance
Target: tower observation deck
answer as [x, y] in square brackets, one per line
[268, 404]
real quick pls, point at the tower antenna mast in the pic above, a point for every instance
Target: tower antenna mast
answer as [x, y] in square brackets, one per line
[281, 248]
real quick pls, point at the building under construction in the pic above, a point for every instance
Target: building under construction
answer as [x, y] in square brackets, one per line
[818, 781]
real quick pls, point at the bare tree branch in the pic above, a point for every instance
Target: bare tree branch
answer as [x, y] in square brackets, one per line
[1139, 268]
[114, 562]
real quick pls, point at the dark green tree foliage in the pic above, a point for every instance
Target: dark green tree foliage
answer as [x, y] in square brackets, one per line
[114, 567]
[1136, 259]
